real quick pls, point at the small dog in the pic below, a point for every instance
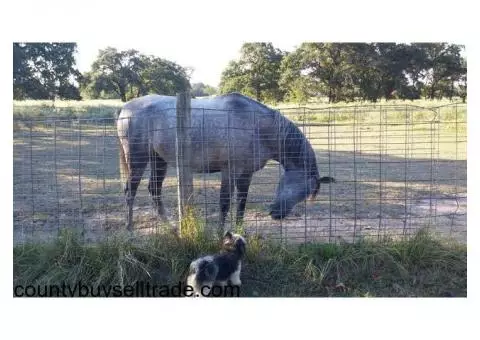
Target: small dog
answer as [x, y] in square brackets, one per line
[210, 270]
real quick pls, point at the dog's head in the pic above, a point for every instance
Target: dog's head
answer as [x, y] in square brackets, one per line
[234, 242]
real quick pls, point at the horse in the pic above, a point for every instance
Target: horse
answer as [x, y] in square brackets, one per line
[231, 134]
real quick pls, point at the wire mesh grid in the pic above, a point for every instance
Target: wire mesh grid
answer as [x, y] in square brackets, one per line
[398, 168]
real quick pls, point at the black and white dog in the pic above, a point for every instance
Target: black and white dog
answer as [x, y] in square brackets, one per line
[218, 269]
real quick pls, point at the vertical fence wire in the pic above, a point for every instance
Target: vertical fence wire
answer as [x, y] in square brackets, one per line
[55, 170]
[32, 174]
[80, 213]
[355, 215]
[455, 176]
[405, 169]
[380, 172]
[330, 136]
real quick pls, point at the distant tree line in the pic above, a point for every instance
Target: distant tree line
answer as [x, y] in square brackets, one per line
[48, 71]
[348, 72]
[337, 71]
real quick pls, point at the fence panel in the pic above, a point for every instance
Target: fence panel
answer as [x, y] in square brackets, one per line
[398, 168]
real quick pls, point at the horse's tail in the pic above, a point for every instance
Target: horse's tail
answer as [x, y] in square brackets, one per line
[121, 154]
[123, 164]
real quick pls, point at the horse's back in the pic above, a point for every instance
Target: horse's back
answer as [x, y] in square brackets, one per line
[221, 126]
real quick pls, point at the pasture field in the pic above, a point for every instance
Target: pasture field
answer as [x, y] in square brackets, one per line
[398, 169]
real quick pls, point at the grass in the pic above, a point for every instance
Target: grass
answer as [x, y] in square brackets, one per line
[421, 266]
[38, 109]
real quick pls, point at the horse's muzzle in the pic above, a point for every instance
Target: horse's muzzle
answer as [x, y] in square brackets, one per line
[278, 214]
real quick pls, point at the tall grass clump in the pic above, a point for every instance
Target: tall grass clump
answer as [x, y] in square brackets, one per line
[419, 266]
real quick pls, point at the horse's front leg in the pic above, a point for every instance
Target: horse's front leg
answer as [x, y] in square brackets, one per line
[243, 184]
[226, 189]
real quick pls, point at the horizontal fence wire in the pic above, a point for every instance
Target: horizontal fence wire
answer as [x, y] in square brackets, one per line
[398, 168]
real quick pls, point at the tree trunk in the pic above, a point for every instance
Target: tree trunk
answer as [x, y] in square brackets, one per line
[123, 95]
[432, 92]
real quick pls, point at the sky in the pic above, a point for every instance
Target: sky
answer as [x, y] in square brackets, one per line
[207, 58]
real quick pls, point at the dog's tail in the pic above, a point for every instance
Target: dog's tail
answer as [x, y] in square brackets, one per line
[327, 179]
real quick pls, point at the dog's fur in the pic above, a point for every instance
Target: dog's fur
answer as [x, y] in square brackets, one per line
[218, 269]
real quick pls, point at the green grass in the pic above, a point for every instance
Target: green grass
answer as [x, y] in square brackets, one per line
[38, 109]
[420, 266]
[451, 117]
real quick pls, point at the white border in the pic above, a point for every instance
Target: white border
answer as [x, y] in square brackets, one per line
[291, 22]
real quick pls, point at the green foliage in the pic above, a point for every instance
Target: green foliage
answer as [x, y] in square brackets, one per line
[256, 73]
[45, 71]
[202, 90]
[36, 109]
[326, 68]
[346, 72]
[129, 74]
[419, 266]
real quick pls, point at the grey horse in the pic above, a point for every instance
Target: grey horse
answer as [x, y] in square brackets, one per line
[232, 134]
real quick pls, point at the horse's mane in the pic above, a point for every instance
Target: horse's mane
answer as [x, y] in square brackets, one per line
[295, 146]
[295, 149]
[238, 102]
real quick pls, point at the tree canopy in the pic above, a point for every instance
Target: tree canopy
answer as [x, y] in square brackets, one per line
[202, 90]
[129, 74]
[256, 73]
[348, 71]
[336, 71]
[45, 71]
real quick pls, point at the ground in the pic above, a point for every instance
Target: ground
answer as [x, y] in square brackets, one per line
[398, 168]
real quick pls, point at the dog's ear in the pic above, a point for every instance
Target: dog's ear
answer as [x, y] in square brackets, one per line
[227, 238]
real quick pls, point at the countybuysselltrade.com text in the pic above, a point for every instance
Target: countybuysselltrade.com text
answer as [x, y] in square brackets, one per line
[139, 289]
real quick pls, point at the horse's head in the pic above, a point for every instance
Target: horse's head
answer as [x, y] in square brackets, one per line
[294, 187]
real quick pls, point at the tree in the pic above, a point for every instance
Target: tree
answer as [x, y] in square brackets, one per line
[163, 77]
[202, 90]
[297, 87]
[129, 74]
[45, 71]
[256, 73]
[462, 81]
[319, 69]
[442, 68]
[114, 71]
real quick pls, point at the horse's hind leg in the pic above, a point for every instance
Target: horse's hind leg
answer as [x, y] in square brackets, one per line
[138, 163]
[158, 172]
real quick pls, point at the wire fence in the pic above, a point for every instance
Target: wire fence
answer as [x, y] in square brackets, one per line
[398, 168]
